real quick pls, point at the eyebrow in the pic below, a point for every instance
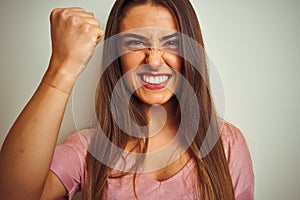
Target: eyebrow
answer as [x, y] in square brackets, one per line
[169, 36]
[140, 37]
[133, 36]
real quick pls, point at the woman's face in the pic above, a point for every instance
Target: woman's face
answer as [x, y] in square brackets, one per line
[149, 59]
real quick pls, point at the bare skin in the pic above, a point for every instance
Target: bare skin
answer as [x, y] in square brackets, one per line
[27, 152]
[159, 63]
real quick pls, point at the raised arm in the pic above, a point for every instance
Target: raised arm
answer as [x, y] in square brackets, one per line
[27, 151]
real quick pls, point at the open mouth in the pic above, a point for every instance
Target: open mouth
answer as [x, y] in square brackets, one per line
[155, 82]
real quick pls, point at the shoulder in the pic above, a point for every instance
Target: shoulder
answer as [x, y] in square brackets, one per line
[79, 139]
[83, 135]
[73, 149]
[239, 161]
[231, 136]
[68, 162]
[234, 143]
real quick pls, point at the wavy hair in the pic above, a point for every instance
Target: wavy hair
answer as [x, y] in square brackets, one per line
[214, 181]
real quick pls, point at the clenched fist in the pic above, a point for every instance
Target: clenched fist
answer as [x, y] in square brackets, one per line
[75, 34]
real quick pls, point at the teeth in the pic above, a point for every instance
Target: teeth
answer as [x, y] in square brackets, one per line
[155, 79]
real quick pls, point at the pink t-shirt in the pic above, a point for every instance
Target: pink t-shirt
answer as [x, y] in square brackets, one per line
[69, 165]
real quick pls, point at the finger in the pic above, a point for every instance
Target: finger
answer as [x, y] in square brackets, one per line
[92, 21]
[69, 12]
[97, 33]
[84, 14]
[78, 9]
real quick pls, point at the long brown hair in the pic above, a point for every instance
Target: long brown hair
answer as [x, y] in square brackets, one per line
[213, 172]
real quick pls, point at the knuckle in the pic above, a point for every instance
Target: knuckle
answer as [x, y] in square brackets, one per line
[91, 14]
[97, 22]
[74, 19]
[80, 8]
[65, 12]
[87, 27]
[54, 13]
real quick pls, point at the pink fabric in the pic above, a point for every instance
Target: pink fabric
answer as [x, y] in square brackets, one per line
[69, 165]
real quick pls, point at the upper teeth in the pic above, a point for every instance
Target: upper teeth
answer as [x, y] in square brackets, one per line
[154, 79]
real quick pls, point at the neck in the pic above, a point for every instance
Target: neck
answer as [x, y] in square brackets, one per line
[161, 118]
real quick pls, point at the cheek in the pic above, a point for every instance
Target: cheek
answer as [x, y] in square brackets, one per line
[173, 61]
[131, 60]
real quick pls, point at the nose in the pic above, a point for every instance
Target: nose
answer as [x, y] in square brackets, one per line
[154, 57]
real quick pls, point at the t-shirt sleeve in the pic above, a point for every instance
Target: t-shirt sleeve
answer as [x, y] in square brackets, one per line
[68, 164]
[239, 162]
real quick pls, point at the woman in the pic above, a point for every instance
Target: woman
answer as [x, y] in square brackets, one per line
[28, 159]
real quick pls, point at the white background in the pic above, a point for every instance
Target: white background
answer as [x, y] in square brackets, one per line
[254, 44]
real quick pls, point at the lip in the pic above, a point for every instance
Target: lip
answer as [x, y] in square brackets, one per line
[157, 86]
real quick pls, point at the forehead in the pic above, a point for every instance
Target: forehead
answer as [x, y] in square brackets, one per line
[145, 16]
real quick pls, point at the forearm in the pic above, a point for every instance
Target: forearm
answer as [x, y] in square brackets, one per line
[27, 151]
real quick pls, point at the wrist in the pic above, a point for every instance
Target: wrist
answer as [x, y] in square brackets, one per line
[58, 76]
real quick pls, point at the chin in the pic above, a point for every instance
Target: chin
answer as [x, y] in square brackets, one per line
[156, 99]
